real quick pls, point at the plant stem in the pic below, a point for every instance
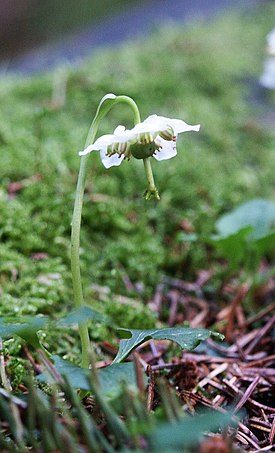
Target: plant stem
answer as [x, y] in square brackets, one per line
[106, 104]
[75, 264]
[152, 191]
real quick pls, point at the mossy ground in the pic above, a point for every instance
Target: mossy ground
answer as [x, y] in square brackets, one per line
[204, 74]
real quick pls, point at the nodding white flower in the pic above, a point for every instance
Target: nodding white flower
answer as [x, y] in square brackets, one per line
[156, 136]
[271, 42]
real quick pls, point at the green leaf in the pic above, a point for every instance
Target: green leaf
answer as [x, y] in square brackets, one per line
[110, 378]
[187, 338]
[187, 431]
[80, 315]
[233, 246]
[245, 234]
[257, 213]
[265, 243]
[26, 329]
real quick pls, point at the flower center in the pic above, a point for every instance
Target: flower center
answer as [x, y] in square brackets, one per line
[143, 150]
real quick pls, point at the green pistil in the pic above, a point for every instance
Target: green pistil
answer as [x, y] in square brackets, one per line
[143, 150]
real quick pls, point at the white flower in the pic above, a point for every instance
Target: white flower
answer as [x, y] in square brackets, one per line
[156, 136]
[267, 79]
[271, 42]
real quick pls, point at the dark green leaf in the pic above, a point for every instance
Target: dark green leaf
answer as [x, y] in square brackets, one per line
[233, 246]
[110, 378]
[265, 243]
[80, 315]
[187, 431]
[26, 329]
[187, 338]
[245, 234]
[258, 213]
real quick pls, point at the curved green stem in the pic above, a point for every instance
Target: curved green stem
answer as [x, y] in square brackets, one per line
[131, 104]
[105, 105]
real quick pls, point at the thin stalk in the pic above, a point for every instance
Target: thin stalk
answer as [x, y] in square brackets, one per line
[106, 104]
[152, 191]
[75, 261]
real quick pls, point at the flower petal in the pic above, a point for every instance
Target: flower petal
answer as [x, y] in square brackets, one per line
[160, 123]
[101, 143]
[177, 125]
[119, 130]
[110, 161]
[180, 126]
[151, 124]
[122, 135]
[167, 149]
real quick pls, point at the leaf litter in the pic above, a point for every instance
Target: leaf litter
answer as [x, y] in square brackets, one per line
[238, 375]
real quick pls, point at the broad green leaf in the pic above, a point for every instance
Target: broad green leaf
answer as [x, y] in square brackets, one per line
[187, 338]
[26, 329]
[233, 246]
[258, 213]
[80, 315]
[110, 378]
[245, 234]
[188, 431]
[265, 243]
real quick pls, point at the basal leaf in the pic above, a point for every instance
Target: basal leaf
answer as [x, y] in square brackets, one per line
[187, 338]
[257, 213]
[232, 246]
[110, 378]
[188, 431]
[26, 329]
[79, 315]
[265, 243]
